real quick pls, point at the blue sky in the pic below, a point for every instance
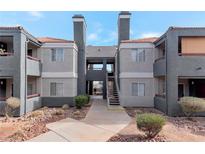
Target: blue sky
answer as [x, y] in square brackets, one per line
[101, 26]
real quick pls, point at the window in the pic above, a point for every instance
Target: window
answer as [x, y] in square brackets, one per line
[138, 89]
[30, 89]
[139, 55]
[57, 55]
[56, 89]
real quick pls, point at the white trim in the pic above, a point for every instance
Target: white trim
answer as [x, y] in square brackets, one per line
[136, 45]
[78, 19]
[136, 75]
[59, 75]
[124, 16]
[59, 45]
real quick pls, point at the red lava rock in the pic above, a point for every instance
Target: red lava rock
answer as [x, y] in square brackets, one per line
[31, 126]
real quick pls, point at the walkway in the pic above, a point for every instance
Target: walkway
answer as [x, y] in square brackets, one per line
[99, 125]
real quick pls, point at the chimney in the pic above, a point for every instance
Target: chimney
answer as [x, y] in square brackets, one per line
[79, 31]
[123, 26]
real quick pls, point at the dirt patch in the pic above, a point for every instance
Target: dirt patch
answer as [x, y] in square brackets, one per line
[175, 129]
[34, 123]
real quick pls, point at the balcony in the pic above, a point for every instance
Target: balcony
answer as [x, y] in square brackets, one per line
[96, 75]
[33, 102]
[160, 67]
[33, 66]
[191, 64]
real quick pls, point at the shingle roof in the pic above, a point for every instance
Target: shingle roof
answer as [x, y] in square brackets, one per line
[53, 40]
[142, 40]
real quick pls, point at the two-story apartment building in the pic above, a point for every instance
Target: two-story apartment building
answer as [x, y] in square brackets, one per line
[146, 72]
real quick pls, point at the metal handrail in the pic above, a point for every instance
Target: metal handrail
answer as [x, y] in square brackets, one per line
[117, 87]
[32, 96]
[107, 91]
[33, 58]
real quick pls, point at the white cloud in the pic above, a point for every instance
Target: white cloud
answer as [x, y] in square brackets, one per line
[150, 34]
[36, 14]
[112, 36]
[93, 37]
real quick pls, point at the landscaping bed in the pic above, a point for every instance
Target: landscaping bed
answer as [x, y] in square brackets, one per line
[175, 129]
[34, 123]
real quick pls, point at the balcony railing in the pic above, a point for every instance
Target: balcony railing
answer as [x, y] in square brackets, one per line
[32, 96]
[33, 58]
[6, 54]
[191, 54]
[3, 98]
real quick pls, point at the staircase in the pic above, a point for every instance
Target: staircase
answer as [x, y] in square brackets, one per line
[112, 92]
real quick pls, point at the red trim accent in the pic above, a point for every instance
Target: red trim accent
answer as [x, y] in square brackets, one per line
[3, 98]
[33, 58]
[32, 96]
[7, 54]
[191, 54]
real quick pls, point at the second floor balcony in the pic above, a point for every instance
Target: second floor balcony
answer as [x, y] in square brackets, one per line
[33, 67]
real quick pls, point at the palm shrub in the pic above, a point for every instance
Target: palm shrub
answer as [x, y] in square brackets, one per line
[150, 123]
[191, 105]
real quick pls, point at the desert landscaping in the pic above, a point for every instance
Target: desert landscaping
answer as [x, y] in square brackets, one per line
[176, 129]
[34, 123]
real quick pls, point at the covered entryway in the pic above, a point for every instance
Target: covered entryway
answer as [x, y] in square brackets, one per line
[191, 87]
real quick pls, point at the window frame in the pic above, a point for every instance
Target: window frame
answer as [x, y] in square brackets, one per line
[140, 56]
[57, 93]
[56, 56]
[137, 93]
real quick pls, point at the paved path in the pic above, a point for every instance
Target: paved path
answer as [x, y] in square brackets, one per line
[99, 124]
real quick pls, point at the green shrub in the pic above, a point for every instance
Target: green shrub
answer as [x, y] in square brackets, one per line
[150, 123]
[80, 101]
[88, 96]
[191, 105]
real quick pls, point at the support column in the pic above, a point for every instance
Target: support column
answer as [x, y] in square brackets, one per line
[104, 81]
[20, 77]
[173, 108]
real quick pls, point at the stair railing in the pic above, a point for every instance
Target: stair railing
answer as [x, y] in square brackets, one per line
[117, 87]
[107, 90]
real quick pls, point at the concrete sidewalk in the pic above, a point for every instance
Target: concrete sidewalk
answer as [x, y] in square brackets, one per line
[99, 125]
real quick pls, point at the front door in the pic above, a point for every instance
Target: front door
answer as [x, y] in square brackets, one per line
[2, 88]
[180, 90]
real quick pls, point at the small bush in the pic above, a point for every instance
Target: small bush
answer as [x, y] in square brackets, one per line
[88, 96]
[12, 103]
[191, 105]
[80, 101]
[150, 123]
[65, 107]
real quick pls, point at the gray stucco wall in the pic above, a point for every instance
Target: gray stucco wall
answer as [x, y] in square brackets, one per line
[15, 66]
[126, 98]
[79, 30]
[176, 66]
[69, 86]
[67, 65]
[128, 60]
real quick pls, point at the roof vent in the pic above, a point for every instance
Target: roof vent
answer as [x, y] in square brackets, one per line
[99, 49]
